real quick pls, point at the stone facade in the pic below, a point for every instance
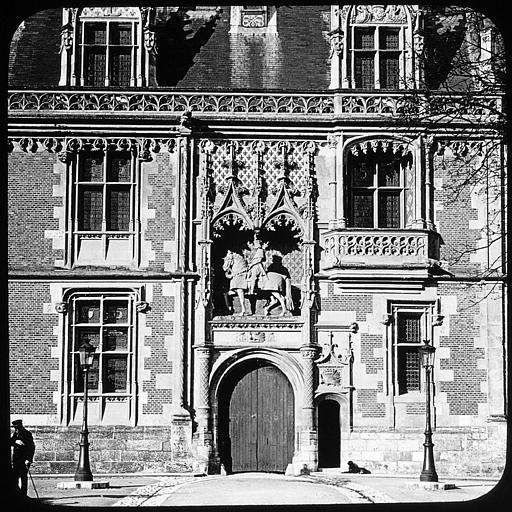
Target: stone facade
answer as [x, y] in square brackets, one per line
[230, 150]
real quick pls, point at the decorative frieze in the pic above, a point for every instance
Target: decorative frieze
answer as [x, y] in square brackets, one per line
[284, 105]
[145, 148]
[389, 14]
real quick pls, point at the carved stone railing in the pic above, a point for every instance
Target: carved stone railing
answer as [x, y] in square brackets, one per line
[379, 247]
[346, 103]
[168, 102]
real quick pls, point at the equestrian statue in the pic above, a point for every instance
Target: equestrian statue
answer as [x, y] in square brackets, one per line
[256, 277]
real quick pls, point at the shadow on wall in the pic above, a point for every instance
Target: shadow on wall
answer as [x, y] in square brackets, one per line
[178, 43]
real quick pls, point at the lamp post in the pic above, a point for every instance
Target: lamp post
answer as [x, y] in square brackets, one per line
[83, 470]
[428, 473]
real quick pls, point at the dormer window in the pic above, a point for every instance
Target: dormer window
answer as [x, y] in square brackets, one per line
[372, 47]
[107, 53]
[107, 46]
[376, 57]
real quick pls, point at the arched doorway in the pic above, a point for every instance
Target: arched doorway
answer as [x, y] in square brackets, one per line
[256, 418]
[329, 434]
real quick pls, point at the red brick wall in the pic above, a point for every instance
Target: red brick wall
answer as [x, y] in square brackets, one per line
[362, 304]
[162, 198]
[464, 393]
[30, 210]
[30, 340]
[453, 222]
[158, 362]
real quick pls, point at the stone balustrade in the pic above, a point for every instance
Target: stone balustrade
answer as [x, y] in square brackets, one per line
[349, 247]
[325, 105]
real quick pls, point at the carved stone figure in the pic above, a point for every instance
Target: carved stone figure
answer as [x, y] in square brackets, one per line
[235, 268]
[258, 279]
[256, 271]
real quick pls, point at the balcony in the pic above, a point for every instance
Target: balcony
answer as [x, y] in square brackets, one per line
[379, 252]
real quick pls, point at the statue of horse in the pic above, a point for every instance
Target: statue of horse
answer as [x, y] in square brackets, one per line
[276, 283]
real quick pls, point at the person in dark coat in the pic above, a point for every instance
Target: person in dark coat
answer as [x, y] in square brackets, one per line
[22, 454]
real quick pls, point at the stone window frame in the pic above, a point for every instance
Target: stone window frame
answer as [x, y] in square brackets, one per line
[376, 190]
[425, 310]
[143, 43]
[412, 196]
[344, 19]
[378, 54]
[103, 246]
[104, 407]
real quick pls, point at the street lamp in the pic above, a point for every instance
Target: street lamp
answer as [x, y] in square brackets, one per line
[83, 470]
[428, 473]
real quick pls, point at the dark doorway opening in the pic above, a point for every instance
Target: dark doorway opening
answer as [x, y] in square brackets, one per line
[329, 434]
[256, 419]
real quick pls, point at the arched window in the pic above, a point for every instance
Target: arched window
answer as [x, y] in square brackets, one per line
[377, 181]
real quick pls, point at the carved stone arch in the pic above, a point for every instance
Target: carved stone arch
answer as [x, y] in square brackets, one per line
[395, 140]
[287, 364]
[343, 400]
[284, 216]
[229, 216]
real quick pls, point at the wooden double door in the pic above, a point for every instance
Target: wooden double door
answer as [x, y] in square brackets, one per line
[257, 420]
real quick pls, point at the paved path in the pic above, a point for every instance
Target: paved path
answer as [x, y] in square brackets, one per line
[249, 489]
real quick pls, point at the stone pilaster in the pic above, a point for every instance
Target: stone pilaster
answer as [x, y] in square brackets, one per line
[308, 440]
[203, 435]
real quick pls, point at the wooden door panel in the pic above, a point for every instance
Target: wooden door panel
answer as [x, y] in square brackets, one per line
[261, 421]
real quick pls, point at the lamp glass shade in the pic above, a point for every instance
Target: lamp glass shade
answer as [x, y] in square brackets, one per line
[86, 352]
[427, 354]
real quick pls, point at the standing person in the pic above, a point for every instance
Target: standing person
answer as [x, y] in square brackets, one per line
[22, 454]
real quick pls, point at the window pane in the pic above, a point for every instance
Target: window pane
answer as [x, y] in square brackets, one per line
[115, 312]
[363, 174]
[115, 339]
[120, 67]
[408, 367]
[90, 208]
[119, 167]
[95, 67]
[389, 209]
[409, 328]
[91, 167]
[364, 71]
[389, 71]
[389, 39]
[89, 335]
[88, 312]
[92, 375]
[121, 33]
[389, 174]
[115, 374]
[364, 38]
[363, 209]
[118, 208]
[95, 33]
